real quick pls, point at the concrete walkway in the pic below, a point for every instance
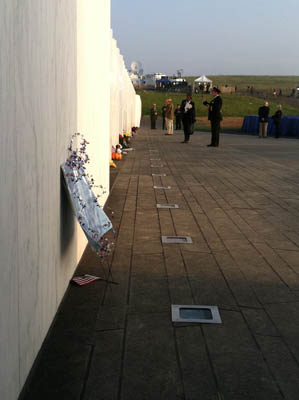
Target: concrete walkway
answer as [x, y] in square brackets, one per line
[240, 205]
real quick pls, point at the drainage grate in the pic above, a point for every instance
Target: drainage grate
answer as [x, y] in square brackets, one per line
[157, 166]
[191, 313]
[176, 239]
[167, 206]
[159, 175]
[162, 187]
[155, 159]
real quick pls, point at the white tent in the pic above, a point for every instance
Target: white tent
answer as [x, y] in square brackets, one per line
[202, 80]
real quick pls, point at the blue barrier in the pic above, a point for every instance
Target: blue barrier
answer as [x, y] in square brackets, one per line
[289, 126]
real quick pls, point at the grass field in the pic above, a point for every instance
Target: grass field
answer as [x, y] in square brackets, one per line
[239, 104]
[258, 82]
[233, 105]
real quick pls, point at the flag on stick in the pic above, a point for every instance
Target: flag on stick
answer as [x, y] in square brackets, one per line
[86, 279]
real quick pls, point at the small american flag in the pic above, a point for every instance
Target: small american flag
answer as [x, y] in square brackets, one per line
[85, 279]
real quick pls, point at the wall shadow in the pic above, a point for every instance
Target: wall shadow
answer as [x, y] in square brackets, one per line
[67, 220]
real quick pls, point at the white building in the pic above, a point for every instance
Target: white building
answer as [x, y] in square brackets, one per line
[55, 59]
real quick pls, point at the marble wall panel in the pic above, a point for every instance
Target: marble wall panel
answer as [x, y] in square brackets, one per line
[125, 110]
[68, 236]
[38, 254]
[115, 129]
[46, 118]
[93, 53]
[9, 297]
[138, 110]
[62, 73]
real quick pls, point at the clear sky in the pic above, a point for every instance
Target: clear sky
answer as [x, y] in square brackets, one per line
[243, 37]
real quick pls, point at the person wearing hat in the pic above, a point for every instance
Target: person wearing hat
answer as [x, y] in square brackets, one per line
[215, 116]
[188, 117]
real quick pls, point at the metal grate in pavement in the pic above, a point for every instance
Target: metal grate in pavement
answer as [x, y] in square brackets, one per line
[176, 239]
[168, 206]
[159, 175]
[191, 313]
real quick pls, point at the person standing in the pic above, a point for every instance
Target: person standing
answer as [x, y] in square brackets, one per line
[178, 117]
[276, 119]
[169, 116]
[154, 116]
[163, 116]
[214, 116]
[263, 119]
[188, 117]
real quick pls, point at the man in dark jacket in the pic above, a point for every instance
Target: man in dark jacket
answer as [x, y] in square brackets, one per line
[276, 119]
[263, 119]
[188, 117]
[215, 116]
[163, 116]
[154, 116]
[178, 117]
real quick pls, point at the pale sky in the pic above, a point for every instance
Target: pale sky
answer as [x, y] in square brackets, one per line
[236, 37]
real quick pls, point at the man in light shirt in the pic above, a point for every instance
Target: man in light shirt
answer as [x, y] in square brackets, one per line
[169, 116]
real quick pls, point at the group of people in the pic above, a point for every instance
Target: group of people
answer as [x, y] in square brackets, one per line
[185, 114]
[263, 113]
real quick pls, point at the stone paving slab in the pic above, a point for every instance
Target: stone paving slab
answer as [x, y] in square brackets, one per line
[239, 365]
[151, 367]
[197, 372]
[107, 360]
[240, 205]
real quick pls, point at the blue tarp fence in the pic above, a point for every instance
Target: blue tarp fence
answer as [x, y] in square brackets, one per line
[289, 126]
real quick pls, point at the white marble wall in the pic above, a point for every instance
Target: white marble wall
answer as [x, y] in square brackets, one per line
[115, 108]
[9, 309]
[125, 105]
[138, 111]
[94, 65]
[38, 115]
[61, 72]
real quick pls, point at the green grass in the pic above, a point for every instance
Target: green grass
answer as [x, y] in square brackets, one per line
[239, 106]
[258, 82]
[233, 105]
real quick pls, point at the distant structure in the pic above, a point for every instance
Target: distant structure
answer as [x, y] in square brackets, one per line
[141, 81]
[136, 68]
[157, 80]
[135, 73]
[202, 84]
[151, 80]
[227, 89]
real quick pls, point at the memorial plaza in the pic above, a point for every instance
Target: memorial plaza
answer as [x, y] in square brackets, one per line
[240, 205]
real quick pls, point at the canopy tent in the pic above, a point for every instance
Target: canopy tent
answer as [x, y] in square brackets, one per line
[202, 80]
